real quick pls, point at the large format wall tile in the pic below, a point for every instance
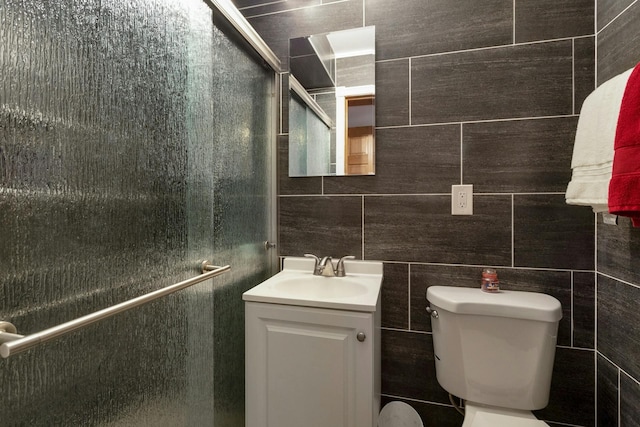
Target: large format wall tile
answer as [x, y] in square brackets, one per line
[549, 233]
[508, 82]
[618, 247]
[249, 3]
[629, 398]
[607, 393]
[408, 366]
[395, 296]
[392, 93]
[609, 9]
[422, 229]
[321, 225]
[619, 45]
[419, 27]
[409, 160]
[584, 56]
[619, 324]
[255, 8]
[584, 306]
[513, 156]
[572, 397]
[552, 19]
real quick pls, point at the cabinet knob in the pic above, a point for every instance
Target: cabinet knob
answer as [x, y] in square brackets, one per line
[361, 336]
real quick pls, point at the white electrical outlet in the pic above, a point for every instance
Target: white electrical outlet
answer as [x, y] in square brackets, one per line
[462, 200]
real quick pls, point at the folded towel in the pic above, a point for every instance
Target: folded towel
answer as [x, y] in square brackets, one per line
[624, 188]
[593, 148]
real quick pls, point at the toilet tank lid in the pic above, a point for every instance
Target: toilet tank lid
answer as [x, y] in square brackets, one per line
[512, 304]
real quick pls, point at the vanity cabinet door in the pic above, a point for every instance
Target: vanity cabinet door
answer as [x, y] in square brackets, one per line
[307, 367]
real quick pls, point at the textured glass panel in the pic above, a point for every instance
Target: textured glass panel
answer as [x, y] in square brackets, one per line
[319, 145]
[297, 136]
[309, 141]
[241, 134]
[134, 142]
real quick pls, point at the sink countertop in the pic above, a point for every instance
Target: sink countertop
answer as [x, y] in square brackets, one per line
[296, 285]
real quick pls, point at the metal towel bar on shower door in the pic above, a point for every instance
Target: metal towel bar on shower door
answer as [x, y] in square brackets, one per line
[12, 343]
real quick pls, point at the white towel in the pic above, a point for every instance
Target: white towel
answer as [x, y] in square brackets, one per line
[593, 148]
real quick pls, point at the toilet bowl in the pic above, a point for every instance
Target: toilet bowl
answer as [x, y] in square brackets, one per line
[495, 351]
[476, 415]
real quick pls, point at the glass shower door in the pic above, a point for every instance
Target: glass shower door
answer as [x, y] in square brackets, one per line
[135, 141]
[231, 142]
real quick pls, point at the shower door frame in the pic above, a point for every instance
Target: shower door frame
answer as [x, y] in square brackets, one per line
[244, 29]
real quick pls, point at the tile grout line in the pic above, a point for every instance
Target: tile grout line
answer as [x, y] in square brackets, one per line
[619, 398]
[595, 234]
[572, 315]
[362, 229]
[461, 154]
[514, 22]
[506, 119]
[476, 49]
[409, 296]
[595, 310]
[573, 75]
[410, 112]
[513, 231]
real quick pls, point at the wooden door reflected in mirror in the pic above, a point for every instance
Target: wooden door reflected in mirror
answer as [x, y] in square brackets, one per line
[359, 130]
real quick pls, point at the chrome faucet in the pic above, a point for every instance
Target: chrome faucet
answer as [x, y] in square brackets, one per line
[324, 266]
[340, 269]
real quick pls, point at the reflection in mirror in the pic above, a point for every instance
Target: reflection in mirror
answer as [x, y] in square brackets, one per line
[332, 103]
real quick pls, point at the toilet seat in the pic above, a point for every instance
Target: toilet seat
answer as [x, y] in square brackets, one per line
[487, 416]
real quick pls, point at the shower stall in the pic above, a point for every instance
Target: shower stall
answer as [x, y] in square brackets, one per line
[136, 140]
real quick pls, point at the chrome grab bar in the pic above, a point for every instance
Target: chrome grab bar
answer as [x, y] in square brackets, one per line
[12, 343]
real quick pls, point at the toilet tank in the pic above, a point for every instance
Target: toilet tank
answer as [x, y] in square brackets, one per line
[495, 348]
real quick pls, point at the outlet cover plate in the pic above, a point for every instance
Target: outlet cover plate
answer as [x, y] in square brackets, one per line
[462, 199]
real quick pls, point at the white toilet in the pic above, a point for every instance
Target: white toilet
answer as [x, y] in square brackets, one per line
[496, 351]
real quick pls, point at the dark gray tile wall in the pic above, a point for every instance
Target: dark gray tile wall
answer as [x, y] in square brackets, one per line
[409, 160]
[607, 392]
[552, 19]
[421, 27]
[531, 80]
[484, 93]
[619, 43]
[619, 324]
[551, 234]
[618, 249]
[629, 398]
[392, 89]
[519, 155]
[609, 9]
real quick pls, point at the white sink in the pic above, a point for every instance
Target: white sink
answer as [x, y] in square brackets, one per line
[359, 290]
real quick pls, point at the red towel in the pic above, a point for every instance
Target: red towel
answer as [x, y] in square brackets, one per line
[624, 187]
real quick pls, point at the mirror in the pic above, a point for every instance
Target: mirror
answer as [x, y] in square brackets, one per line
[332, 103]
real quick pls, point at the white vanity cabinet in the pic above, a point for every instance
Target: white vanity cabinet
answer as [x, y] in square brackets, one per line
[311, 367]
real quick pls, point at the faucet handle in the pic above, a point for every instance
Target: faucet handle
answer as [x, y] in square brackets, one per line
[340, 269]
[315, 267]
